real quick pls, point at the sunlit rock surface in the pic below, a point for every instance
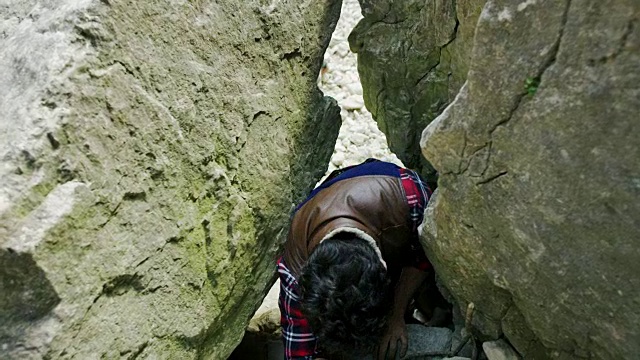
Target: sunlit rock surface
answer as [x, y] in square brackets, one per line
[149, 154]
[537, 218]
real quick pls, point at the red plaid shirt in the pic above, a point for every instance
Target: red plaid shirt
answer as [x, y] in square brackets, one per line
[299, 341]
[418, 195]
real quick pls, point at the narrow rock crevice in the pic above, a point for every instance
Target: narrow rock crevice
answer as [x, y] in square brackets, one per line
[492, 178]
[424, 77]
[138, 351]
[452, 38]
[557, 45]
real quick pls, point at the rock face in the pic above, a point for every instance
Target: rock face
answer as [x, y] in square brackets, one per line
[149, 153]
[413, 57]
[499, 350]
[424, 343]
[537, 217]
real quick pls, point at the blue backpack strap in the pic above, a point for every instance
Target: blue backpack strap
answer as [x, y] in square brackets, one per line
[337, 172]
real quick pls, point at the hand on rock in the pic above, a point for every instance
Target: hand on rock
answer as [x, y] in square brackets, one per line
[396, 332]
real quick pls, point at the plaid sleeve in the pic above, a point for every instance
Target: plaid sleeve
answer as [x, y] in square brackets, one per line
[418, 194]
[299, 341]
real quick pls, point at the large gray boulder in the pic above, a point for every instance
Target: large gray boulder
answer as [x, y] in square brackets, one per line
[537, 216]
[413, 57]
[149, 154]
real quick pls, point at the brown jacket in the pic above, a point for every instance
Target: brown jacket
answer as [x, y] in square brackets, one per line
[375, 205]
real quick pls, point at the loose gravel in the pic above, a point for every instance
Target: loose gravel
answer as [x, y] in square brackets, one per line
[359, 136]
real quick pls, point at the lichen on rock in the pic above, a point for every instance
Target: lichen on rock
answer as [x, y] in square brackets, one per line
[413, 57]
[150, 154]
[535, 220]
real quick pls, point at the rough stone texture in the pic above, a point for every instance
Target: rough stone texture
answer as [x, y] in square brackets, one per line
[537, 217]
[149, 153]
[426, 343]
[412, 58]
[499, 350]
[359, 138]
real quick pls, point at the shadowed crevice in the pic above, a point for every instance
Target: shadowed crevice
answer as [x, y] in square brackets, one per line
[26, 295]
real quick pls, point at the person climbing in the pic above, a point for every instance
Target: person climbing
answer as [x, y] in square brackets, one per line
[352, 262]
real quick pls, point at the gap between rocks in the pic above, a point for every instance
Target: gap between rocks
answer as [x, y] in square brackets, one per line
[359, 139]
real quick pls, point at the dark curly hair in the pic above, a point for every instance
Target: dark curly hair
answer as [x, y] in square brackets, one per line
[346, 295]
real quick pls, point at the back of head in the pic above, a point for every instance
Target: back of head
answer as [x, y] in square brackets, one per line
[346, 294]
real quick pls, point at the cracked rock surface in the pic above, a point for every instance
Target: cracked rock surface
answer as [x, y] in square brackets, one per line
[359, 136]
[413, 57]
[536, 216]
[147, 151]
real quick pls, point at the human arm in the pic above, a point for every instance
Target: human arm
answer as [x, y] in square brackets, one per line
[410, 280]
